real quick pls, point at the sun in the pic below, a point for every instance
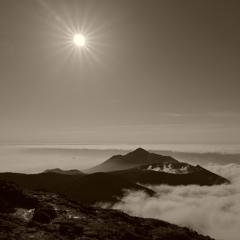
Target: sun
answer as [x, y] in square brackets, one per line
[79, 40]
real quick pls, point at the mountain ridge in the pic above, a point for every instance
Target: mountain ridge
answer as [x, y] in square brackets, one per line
[60, 171]
[196, 175]
[108, 186]
[132, 159]
[89, 188]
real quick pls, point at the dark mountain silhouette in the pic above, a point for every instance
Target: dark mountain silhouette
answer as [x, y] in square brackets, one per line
[69, 172]
[109, 186]
[174, 173]
[89, 189]
[25, 214]
[136, 158]
[47, 181]
[96, 187]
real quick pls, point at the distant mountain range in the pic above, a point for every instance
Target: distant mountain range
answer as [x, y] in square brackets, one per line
[106, 182]
[68, 172]
[137, 158]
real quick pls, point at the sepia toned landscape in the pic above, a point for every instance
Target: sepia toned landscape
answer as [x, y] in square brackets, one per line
[119, 120]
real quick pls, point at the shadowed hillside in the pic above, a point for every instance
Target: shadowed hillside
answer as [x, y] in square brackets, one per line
[89, 189]
[45, 216]
[171, 176]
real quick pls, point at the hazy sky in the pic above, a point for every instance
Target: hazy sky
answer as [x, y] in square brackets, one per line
[150, 72]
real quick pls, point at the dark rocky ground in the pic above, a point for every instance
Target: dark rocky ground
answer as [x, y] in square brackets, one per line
[26, 214]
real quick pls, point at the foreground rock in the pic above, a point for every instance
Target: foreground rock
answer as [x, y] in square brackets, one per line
[49, 216]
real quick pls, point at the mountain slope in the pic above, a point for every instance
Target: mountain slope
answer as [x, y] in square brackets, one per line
[159, 174]
[136, 158]
[48, 216]
[47, 181]
[89, 189]
[104, 187]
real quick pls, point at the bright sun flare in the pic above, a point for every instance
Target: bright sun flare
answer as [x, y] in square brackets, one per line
[79, 40]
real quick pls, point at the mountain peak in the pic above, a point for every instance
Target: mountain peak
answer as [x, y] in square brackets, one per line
[136, 158]
[140, 150]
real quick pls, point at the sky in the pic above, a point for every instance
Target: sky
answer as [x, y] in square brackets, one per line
[150, 72]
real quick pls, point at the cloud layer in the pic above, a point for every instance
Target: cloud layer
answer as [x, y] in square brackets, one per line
[213, 211]
[183, 148]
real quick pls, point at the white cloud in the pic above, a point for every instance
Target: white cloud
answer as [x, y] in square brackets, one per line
[213, 211]
[167, 167]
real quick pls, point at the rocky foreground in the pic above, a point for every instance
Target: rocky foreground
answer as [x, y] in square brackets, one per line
[26, 214]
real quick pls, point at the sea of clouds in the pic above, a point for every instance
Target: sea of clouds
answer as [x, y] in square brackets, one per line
[187, 148]
[213, 211]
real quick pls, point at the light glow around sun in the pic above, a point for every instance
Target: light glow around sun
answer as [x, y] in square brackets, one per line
[79, 40]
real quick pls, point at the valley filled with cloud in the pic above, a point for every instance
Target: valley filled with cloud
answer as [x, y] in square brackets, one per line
[210, 210]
